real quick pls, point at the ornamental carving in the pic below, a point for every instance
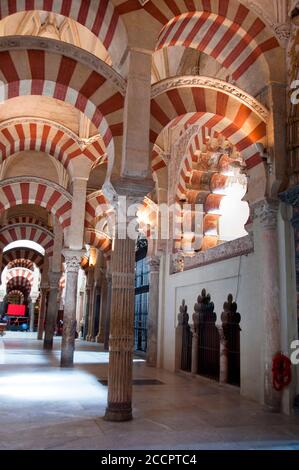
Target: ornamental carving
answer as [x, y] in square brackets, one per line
[230, 316]
[283, 31]
[72, 260]
[279, 26]
[266, 212]
[183, 317]
[203, 310]
[178, 262]
[214, 84]
[241, 246]
[154, 264]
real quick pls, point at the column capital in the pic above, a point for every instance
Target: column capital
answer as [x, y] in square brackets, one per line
[72, 260]
[135, 189]
[154, 264]
[266, 211]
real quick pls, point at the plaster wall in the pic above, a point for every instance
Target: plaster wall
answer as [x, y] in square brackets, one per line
[236, 276]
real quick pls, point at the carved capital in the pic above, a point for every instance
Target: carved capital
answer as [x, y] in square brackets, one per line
[134, 188]
[266, 212]
[282, 31]
[72, 260]
[178, 263]
[154, 264]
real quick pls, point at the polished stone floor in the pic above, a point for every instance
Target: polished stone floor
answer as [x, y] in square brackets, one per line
[44, 407]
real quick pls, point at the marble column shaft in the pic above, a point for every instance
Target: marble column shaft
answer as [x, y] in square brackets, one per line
[152, 321]
[121, 332]
[266, 212]
[104, 293]
[42, 312]
[72, 264]
[108, 313]
[52, 310]
[86, 312]
[90, 303]
[223, 372]
[194, 359]
[31, 315]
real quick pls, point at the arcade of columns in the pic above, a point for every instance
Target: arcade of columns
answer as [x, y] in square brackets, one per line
[131, 113]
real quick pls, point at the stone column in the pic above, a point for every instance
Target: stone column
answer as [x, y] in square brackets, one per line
[291, 197]
[223, 372]
[266, 214]
[86, 311]
[194, 360]
[72, 266]
[42, 311]
[108, 312]
[90, 302]
[52, 310]
[104, 293]
[121, 331]
[31, 315]
[96, 312]
[195, 345]
[135, 158]
[153, 311]
[76, 232]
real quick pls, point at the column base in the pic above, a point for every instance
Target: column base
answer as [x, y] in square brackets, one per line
[100, 339]
[118, 412]
[66, 363]
[48, 344]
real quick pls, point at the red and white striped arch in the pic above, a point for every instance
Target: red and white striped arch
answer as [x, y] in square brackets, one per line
[19, 283]
[20, 273]
[37, 191]
[31, 232]
[99, 16]
[165, 11]
[99, 240]
[18, 255]
[212, 109]
[36, 72]
[197, 143]
[21, 263]
[97, 207]
[26, 220]
[17, 293]
[239, 45]
[45, 136]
